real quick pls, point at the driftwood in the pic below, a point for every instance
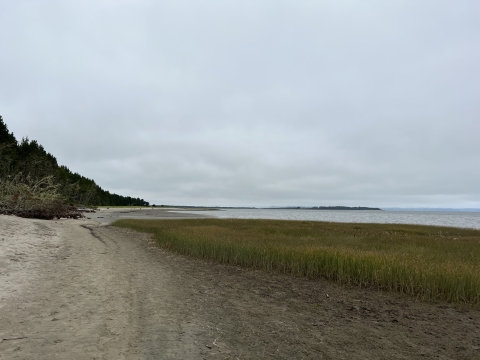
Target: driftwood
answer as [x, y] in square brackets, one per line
[46, 214]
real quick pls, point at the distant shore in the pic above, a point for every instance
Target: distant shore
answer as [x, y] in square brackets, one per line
[267, 208]
[324, 208]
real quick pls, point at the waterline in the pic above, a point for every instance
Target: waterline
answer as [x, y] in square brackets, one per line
[469, 220]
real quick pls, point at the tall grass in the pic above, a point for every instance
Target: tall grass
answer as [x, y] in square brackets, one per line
[431, 263]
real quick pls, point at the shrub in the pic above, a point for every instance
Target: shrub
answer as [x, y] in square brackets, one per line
[31, 198]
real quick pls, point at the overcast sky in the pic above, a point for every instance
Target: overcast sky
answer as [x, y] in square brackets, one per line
[258, 103]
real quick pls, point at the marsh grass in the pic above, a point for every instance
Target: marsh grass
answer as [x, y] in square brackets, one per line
[430, 263]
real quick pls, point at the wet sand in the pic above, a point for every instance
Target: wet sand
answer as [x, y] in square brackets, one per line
[106, 216]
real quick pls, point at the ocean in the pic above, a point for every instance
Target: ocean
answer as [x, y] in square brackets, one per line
[441, 218]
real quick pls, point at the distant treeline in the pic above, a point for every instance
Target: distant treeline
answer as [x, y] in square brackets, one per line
[329, 208]
[28, 162]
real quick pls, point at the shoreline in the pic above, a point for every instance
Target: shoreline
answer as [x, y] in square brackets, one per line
[84, 289]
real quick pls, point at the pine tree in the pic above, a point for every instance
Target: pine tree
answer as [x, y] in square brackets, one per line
[6, 137]
[28, 162]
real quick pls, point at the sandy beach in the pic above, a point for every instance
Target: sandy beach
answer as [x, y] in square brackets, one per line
[81, 289]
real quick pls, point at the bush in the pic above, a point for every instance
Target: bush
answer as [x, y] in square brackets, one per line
[30, 198]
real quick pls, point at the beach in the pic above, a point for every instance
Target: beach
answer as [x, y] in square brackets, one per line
[81, 289]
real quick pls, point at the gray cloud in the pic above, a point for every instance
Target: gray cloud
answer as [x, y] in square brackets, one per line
[252, 103]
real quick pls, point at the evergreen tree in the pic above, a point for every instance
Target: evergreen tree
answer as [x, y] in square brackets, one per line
[6, 137]
[28, 161]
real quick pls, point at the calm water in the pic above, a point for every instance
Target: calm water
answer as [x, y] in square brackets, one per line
[454, 219]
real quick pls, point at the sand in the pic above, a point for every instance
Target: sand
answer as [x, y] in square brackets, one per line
[80, 289]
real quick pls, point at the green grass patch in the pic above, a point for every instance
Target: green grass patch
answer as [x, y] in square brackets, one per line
[430, 263]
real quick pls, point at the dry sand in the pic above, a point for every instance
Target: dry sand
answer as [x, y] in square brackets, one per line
[80, 289]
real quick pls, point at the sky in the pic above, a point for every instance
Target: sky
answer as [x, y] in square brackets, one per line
[252, 103]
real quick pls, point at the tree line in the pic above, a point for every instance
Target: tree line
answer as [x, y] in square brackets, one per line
[27, 165]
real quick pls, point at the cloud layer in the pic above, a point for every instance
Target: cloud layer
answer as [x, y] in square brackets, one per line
[252, 103]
